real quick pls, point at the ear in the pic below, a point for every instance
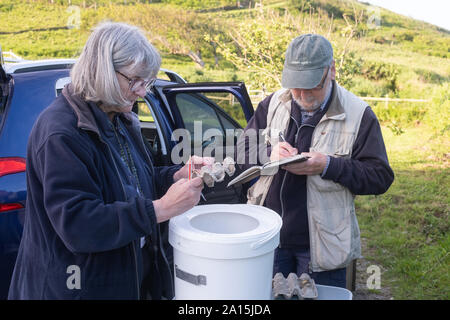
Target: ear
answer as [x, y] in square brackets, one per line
[333, 71]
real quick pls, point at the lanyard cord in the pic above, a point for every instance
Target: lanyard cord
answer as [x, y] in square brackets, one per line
[130, 164]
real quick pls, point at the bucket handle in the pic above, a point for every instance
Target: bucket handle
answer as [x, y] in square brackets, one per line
[257, 244]
[189, 277]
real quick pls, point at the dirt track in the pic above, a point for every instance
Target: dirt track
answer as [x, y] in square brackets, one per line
[361, 291]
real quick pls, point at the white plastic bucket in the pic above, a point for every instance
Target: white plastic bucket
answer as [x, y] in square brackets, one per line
[224, 252]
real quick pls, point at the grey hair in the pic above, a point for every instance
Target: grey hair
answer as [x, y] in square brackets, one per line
[113, 47]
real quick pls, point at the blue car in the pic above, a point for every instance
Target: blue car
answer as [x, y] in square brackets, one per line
[27, 87]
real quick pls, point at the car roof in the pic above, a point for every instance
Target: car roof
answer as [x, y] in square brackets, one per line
[23, 66]
[39, 65]
[54, 73]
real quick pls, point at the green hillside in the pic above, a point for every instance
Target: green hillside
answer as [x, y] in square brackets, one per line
[378, 53]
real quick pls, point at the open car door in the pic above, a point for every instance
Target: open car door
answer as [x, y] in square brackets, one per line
[211, 117]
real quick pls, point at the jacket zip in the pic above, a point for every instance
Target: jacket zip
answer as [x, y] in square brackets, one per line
[125, 195]
[136, 269]
[158, 246]
[296, 136]
[285, 173]
[284, 178]
[132, 243]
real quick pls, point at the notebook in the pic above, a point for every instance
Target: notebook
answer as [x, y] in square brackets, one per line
[267, 169]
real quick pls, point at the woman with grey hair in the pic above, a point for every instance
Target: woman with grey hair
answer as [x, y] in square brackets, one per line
[95, 200]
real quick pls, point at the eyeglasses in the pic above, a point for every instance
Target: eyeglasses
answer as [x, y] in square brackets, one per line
[134, 84]
[322, 82]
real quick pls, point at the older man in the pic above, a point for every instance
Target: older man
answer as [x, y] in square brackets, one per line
[314, 116]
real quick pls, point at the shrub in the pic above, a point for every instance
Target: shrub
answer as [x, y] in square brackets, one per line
[380, 39]
[405, 36]
[348, 66]
[382, 71]
[431, 76]
[201, 3]
[438, 114]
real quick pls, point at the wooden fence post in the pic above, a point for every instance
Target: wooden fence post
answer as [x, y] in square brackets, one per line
[351, 276]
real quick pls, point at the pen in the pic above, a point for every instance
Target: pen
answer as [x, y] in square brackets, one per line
[282, 136]
[189, 169]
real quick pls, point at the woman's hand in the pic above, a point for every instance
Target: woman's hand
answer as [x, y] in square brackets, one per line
[196, 163]
[181, 196]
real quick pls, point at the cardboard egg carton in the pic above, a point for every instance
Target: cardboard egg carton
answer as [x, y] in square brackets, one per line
[294, 287]
[216, 172]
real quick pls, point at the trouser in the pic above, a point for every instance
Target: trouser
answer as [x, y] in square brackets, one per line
[289, 260]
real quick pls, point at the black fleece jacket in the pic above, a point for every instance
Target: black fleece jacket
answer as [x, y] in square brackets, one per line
[81, 215]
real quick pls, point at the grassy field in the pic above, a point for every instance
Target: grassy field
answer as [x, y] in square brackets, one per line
[406, 229]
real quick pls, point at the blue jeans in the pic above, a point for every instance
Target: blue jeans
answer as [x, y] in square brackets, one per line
[289, 260]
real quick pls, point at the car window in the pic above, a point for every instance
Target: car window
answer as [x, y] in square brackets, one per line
[227, 124]
[149, 129]
[3, 90]
[211, 112]
[195, 107]
[143, 111]
[230, 104]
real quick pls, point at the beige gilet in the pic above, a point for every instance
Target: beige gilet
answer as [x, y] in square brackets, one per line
[333, 227]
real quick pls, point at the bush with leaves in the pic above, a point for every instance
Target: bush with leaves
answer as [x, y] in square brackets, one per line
[348, 66]
[177, 31]
[382, 71]
[259, 50]
[258, 45]
[438, 117]
[202, 3]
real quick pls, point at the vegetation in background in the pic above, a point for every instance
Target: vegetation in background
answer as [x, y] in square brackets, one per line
[407, 229]
[378, 54]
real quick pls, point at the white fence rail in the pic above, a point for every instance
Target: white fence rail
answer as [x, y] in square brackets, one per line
[256, 96]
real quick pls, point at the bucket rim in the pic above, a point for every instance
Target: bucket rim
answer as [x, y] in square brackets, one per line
[269, 223]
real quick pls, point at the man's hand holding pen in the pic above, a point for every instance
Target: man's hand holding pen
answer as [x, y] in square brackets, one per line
[314, 165]
[282, 149]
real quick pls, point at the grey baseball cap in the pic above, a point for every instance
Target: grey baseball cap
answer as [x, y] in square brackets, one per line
[306, 60]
